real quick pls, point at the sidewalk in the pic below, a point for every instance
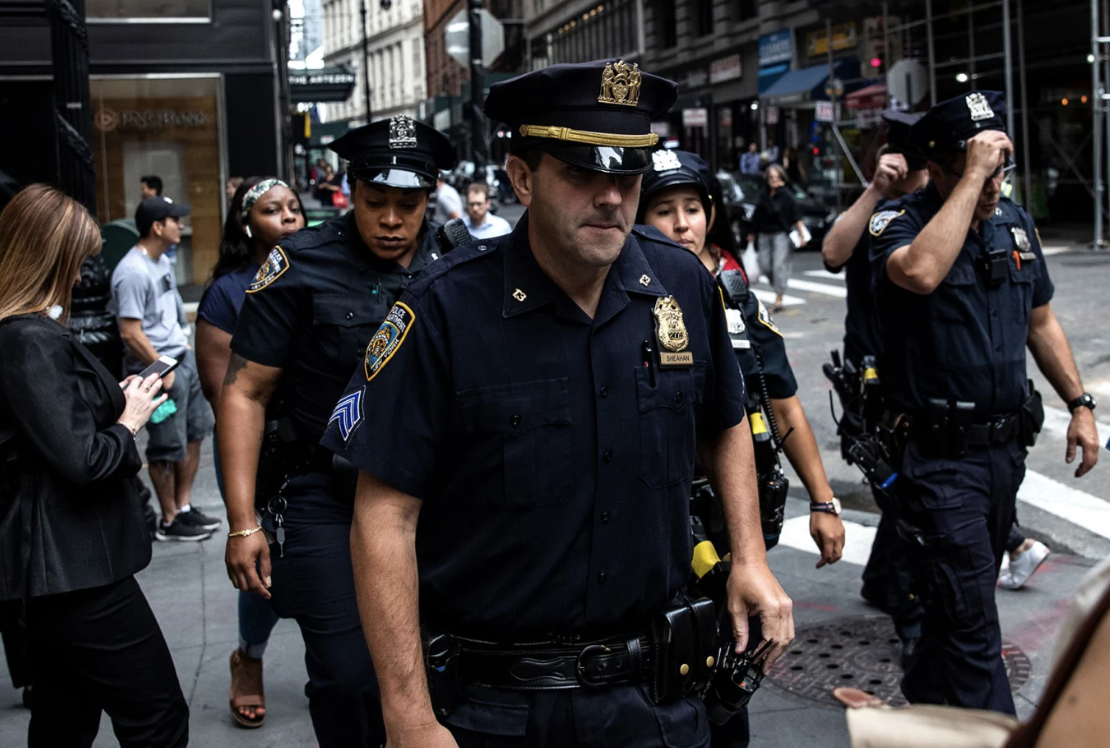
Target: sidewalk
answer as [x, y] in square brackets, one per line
[195, 603]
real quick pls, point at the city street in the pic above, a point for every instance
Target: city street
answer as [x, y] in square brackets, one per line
[196, 605]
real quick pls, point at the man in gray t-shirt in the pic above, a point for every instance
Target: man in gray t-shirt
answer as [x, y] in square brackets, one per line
[152, 324]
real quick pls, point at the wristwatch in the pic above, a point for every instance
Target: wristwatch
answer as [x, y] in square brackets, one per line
[828, 507]
[1085, 400]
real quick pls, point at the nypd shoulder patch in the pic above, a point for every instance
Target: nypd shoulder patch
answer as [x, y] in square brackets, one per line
[881, 220]
[348, 413]
[388, 339]
[276, 263]
[765, 319]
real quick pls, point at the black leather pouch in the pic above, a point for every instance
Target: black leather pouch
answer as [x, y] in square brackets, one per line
[684, 641]
[1032, 417]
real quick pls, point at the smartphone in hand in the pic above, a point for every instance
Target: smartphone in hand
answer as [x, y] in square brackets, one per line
[163, 366]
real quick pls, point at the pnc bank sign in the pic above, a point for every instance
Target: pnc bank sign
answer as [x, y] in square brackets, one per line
[107, 119]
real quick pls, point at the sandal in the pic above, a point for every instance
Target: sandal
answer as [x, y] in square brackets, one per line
[246, 688]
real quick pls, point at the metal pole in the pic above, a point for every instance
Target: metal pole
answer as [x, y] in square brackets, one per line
[1105, 77]
[886, 52]
[1008, 53]
[477, 119]
[69, 43]
[1026, 157]
[365, 59]
[1096, 123]
[971, 47]
[932, 53]
[832, 99]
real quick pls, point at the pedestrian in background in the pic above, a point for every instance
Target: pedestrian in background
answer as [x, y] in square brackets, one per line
[150, 186]
[72, 533]
[479, 221]
[749, 160]
[448, 203]
[231, 187]
[152, 323]
[263, 212]
[775, 217]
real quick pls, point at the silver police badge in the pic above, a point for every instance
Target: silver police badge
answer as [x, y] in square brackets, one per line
[978, 106]
[665, 161]
[1021, 239]
[402, 132]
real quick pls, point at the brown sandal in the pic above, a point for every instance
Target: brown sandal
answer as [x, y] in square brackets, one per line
[246, 688]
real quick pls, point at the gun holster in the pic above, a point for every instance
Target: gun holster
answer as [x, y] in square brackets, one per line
[1032, 417]
[773, 489]
[441, 666]
[684, 645]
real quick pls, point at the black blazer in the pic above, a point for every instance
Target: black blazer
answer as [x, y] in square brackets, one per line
[70, 516]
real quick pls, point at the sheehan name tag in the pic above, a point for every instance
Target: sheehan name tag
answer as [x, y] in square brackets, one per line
[672, 358]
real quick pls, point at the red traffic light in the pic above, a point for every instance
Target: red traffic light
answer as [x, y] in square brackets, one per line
[876, 62]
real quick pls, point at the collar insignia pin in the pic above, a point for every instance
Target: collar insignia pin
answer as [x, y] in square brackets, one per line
[620, 84]
[645, 281]
[519, 295]
[402, 132]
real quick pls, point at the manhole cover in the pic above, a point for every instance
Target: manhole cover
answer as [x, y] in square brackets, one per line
[862, 653]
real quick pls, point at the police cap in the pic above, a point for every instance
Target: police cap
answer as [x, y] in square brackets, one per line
[673, 169]
[946, 127]
[595, 115]
[898, 138]
[397, 152]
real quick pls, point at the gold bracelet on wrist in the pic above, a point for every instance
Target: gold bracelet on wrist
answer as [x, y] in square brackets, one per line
[244, 533]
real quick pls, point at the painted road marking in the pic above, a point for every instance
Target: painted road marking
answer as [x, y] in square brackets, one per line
[1080, 508]
[857, 539]
[825, 274]
[839, 292]
[768, 297]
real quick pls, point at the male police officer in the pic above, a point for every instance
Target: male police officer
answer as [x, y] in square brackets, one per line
[308, 314]
[962, 289]
[899, 172]
[534, 400]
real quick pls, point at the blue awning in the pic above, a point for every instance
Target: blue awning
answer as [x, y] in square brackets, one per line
[807, 84]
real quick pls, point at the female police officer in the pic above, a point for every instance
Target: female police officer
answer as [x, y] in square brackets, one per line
[305, 322]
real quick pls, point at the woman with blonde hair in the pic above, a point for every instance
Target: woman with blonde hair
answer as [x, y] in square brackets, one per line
[72, 534]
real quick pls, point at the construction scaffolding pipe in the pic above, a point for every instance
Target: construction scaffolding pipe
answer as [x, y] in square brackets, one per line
[1097, 108]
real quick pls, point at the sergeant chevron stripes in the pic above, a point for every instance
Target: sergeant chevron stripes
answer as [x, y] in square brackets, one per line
[348, 412]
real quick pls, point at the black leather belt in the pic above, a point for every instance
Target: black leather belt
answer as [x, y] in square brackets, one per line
[552, 665]
[999, 430]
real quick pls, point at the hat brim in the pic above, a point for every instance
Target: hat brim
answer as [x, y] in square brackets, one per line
[179, 210]
[404, 179]
[603, 159]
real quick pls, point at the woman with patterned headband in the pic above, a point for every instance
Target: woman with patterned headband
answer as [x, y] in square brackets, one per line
[263, 211]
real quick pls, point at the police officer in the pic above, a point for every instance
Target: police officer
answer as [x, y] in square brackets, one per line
[900, 171]
[962, 289]
[676, 198]
[315, 302]
[534, 401]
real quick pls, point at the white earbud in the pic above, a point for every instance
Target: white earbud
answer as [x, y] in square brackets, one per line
[247, 230]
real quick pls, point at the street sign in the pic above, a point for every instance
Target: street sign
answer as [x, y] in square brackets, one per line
[457, 37]
[824, 111]
[907, 82]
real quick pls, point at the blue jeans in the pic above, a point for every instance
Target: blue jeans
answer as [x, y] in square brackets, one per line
[256, 618]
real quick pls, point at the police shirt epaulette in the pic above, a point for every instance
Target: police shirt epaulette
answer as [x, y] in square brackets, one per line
[646, 231]
[475, 250]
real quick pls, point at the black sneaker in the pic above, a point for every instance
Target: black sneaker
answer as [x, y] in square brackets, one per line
[197, 518]
[178, 530]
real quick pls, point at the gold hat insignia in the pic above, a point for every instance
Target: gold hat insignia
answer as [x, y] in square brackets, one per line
[620, 84]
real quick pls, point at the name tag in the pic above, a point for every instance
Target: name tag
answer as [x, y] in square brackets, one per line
[682, 358]
[1027, 255]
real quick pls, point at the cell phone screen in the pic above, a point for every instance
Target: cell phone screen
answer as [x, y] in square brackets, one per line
[164, 365]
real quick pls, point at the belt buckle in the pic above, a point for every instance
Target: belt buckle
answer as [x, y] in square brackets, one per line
[996, 427]
[580, 667]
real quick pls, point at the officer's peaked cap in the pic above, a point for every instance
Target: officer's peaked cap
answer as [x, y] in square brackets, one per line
[396, 152]
[948, 125]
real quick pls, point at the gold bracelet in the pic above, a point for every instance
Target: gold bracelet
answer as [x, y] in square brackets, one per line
[244, 533]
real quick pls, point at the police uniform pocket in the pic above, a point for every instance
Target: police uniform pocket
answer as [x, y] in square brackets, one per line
[936, 483]
[666, 424]
[952, 299]
[345, 323]
[1021, 283]
[527, 425]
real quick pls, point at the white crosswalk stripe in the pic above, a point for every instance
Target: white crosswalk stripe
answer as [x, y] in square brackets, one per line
[825, 274]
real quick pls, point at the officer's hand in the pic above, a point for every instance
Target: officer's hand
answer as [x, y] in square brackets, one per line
[167, 381]
[248, 563]
[432, 735]
[1083, 432]
[828, 532]
[891, 168]
[754, 591]
[985, 153]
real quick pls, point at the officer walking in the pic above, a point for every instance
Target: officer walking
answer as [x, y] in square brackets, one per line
[534, 401]
[962, 289]
[314, 304]
[900, 171]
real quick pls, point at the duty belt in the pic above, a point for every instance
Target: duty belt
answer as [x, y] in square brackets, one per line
[554, 665]
[999, 430]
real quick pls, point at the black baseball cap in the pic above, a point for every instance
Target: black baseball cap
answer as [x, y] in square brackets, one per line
[396, 152]
[158, 209]
[595, 115]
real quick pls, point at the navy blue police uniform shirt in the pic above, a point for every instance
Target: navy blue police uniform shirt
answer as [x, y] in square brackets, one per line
[554, 467]
[964, 341]
[862, 334]
[759, 347]
[316, 301]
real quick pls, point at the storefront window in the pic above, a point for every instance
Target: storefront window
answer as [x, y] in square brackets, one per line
[170, 128]
[154, 11]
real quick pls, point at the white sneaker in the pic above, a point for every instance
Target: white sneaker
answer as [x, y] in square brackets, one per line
[1023, 567]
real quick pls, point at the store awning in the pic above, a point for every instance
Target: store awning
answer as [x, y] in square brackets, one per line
[871, 97]
[321, 85]
[808, 84]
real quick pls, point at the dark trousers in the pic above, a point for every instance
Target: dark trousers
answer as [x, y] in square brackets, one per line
[101, 649]
[314, 585]
[15, 644]
[964, 509]
[606, 718]
[888, 577]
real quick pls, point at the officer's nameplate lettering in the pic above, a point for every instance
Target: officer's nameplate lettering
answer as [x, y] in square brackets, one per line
[673, 358]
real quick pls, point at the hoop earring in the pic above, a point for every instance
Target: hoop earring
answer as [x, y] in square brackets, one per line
[247, 231]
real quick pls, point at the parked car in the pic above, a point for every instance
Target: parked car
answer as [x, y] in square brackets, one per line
[816, 216]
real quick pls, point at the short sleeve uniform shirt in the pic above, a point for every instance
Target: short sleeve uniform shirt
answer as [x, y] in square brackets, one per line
[552, 452]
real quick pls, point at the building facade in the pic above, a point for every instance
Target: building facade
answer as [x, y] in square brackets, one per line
[395, 41]
[194, 94]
